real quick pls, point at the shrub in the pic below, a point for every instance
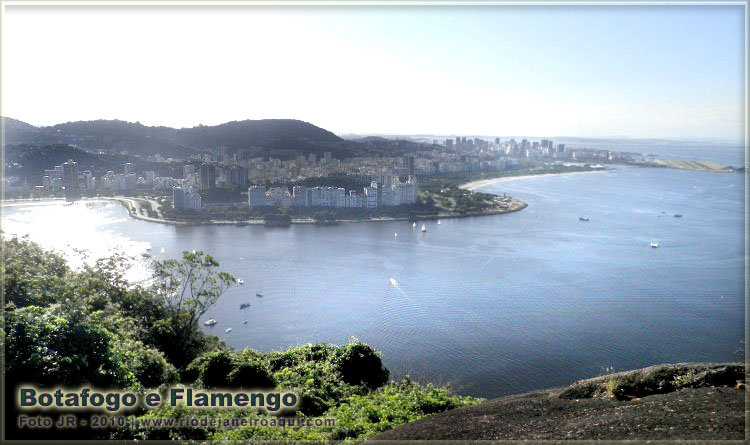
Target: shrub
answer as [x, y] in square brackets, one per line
[359, 364]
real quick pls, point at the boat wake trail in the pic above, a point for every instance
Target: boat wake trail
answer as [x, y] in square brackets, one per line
[397, 286]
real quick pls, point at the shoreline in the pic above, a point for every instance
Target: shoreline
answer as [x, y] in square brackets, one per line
[473, 185]
[515, 206]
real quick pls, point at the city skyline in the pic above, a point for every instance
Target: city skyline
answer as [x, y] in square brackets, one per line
[615, 71]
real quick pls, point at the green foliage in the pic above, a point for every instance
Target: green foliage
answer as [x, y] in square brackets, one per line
[69, 328]
[360, 365]
[212, 369]
[31, 275]
[190, 287]
[685, 380]
[251, 371]
[277, 219]
[393, 405]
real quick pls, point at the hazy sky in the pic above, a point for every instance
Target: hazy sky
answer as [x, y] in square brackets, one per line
[637, 71]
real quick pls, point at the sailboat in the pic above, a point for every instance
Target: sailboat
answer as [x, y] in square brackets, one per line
[162, 250]
[439, 222]
[424, 229]
[414, 226]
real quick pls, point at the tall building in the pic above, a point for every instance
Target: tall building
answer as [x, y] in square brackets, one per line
[187, 170]
[208, 176]
[185, 198]
[236, 176]
[256, 196]
[371, 196]
[70, 181]
[408, 164]
[449, 144]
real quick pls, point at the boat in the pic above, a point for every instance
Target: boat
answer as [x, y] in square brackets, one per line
[244, 322]
[240, 281]
[424, 229]
[654, 245]
[677, 215]
[244, 305]
[414, 225]
[395, 235]
[228, 330]
[439, 222]
[162, 250]
[258, 294]
[210, 322]
[582, 218]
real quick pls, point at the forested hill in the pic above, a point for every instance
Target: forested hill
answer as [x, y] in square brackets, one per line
[28, 161]
[280, 137]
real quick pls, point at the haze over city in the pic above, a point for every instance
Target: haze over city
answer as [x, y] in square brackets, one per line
[659, 71]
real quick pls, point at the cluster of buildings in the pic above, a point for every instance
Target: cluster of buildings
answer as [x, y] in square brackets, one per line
[64, 177]
[389, 190]
[186, 198]
[219, 169]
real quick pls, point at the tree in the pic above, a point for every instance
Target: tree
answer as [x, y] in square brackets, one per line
[190, 287]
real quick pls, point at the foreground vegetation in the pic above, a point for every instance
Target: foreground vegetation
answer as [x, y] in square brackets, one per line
[66, 328]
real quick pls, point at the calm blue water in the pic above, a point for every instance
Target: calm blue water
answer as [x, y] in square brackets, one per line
[493, 305]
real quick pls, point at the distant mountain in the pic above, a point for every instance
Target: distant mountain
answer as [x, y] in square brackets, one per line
[16, 130]
[281, 137]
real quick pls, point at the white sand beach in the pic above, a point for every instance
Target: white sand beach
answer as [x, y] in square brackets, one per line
[473, 185]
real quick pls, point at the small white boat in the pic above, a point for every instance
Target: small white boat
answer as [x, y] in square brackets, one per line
[395, 235]
[210, 322]
[162, 250]
[414, 225]
[258, 294]
[654, 245]
[228, 330]
[424, 229]
[240, 281]
[439, 222]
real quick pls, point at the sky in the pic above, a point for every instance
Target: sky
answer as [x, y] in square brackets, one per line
[585, 71]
